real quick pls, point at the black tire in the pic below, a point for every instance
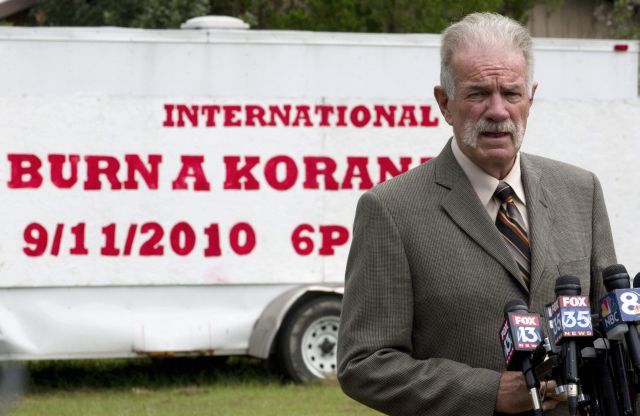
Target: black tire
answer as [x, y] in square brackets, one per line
[314, 324]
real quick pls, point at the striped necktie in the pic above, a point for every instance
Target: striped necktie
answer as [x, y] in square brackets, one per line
[511, 225]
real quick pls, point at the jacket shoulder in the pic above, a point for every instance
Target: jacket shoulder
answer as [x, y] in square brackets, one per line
[415, 181]
[555, 165]
[560, 172]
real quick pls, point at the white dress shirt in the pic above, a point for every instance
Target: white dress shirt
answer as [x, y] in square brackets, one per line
[485, 185]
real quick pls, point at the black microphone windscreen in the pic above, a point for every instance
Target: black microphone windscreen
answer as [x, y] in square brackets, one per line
[515, 305]
[615, 277]
[568, 286]
[613, 269]
[636, 280]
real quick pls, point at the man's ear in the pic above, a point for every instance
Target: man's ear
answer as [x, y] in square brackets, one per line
[534, 87]
[443, 103]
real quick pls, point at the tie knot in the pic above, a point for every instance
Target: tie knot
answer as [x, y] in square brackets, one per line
[504, 193]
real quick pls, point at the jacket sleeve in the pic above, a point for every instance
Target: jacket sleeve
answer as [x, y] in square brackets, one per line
[602, 250]
[375, 362]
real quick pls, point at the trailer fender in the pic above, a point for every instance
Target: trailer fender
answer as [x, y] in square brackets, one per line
[265, 330]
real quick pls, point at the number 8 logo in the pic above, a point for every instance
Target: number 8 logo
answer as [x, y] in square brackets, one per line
[630, 303]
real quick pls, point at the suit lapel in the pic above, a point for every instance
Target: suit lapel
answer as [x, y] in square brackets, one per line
[464, 208]
[540, 218]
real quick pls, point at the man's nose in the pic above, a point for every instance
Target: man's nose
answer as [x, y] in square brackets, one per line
[496, 109]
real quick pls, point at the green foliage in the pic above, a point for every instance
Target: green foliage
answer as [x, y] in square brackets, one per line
[624, 23]
[236, 386]
[518, 9]
[401, 16]
[394, 16]
[388, 16]
[129, 13]
[163, 13]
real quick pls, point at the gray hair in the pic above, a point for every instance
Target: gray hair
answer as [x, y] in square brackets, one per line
[483, 29]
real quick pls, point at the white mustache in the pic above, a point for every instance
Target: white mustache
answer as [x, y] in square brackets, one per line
[473, 130]
[488, 126]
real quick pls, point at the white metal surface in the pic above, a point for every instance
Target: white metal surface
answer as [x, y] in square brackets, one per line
[268, 64]
[105, 91]
[214, 22]
[43, 323]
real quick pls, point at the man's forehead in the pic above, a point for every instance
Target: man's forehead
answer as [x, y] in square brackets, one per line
[490, 84]
[481, 65]
[484, 46]
[505, 56]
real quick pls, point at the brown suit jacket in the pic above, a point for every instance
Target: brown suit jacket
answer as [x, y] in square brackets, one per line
[428, 276]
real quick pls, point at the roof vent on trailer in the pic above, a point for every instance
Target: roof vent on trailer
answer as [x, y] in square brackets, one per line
[214, 22]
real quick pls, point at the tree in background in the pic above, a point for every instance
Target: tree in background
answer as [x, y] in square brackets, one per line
[621, 19]
[127, 13]
[392, 16]
[395, 16]
[389, 16]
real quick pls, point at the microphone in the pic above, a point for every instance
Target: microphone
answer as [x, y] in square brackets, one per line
[591, 396]
[606, 387]
[521, 337]
[622, 306]
[551, 367]
[617, 308]
[607, 383]
[571, 319]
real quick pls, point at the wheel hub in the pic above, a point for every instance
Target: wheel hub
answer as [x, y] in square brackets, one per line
[319, 346]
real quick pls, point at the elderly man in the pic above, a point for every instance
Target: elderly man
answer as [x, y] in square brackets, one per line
[438, 251]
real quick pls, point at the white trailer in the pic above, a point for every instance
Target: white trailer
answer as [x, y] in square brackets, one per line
[170, 192]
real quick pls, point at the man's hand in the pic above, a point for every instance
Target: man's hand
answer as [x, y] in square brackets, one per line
[551, 400]
[514, 397]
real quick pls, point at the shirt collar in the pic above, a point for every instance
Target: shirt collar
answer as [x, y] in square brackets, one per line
[485, 184]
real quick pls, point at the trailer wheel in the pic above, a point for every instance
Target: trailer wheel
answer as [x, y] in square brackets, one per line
[309, 340]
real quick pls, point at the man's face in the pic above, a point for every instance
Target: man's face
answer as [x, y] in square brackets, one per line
[490, 105]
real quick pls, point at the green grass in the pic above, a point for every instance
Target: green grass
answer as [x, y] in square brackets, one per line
[174, 387]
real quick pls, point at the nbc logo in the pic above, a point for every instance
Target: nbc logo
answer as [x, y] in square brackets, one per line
[605, 308]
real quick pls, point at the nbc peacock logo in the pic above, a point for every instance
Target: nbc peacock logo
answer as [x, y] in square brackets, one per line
[605, 308]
